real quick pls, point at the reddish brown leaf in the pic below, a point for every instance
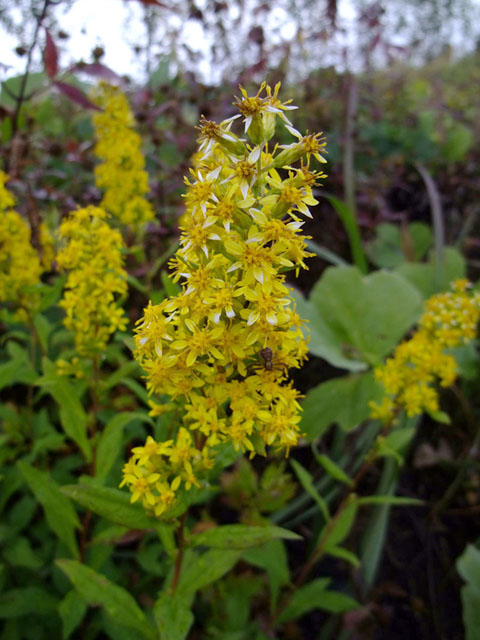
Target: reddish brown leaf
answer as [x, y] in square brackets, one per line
[76, 95]
[98, 70]
[50, 56]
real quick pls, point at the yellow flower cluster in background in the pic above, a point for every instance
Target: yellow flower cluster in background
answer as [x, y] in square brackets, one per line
[122, 173]
[20, 267]
[92, 254]
[222, 347]
[417, 365]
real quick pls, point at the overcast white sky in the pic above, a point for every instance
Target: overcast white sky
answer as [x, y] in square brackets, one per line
[103, 22]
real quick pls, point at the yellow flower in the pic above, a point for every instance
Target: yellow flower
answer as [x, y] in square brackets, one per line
[203, 348]
[122, 173]
[92, 254]
[20, 267]
[417, 365]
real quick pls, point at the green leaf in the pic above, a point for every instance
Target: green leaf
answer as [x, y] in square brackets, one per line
[369, 314]
[110, 443]
[323, 341]
[137, 389]
[349, 220]
[72, 609]
[395, 444]
[96, 590]
[339, 529]
[21, 554]
[122, 372]
[306, 481]
[72, 415]
[332, 468]
[391, 500]
[344, 401]
[468, 566]
[18, 368]
[305, 599]
[273, 558]
[113, 505]
[23, 602]
[423, 275]
[172, 617]
[205, 569]
[345, 554]
[61, 516]
[239, 536]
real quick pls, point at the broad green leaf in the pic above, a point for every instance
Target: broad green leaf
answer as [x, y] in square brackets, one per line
[96, 590]
[72, 610]
[471, 612]
[172, 617]
[113, 505]
[423, 275]
[61, 516]
[323, 341]
[16, 603]
[21, 554]
[205, 569]
[273, 558]
[468, 566]
[345, 554]
[332, 468]
[11, 87]
[306, 481]
[136, 388]
[110, 443]
[72, 413]
[339, 529]
[392, 245]
[239, 536]
[304, 599]
[314, 595]
[370, 314]
[344, 401]
[18, 368]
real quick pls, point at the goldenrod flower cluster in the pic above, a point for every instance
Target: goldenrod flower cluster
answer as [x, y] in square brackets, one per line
[222, 347]
[20, 268]
[93, 256]
[122, 173]
[417, 365]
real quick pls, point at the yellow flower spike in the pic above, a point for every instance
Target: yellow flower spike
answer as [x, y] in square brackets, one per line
[222, 347]
[96, 279]
[122, 173]
[409, 376]
[20, 267]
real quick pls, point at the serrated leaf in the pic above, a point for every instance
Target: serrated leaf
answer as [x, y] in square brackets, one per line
[59, 512]
[114, 505]
[239, 536]
[71, 609]
[23, 602]
[110, 442]
[96, 590]
[72, 414]
[306, 481]
[172, 617]
[343, 401]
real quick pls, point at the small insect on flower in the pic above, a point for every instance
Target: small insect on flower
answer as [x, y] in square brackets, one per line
[266, 355]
